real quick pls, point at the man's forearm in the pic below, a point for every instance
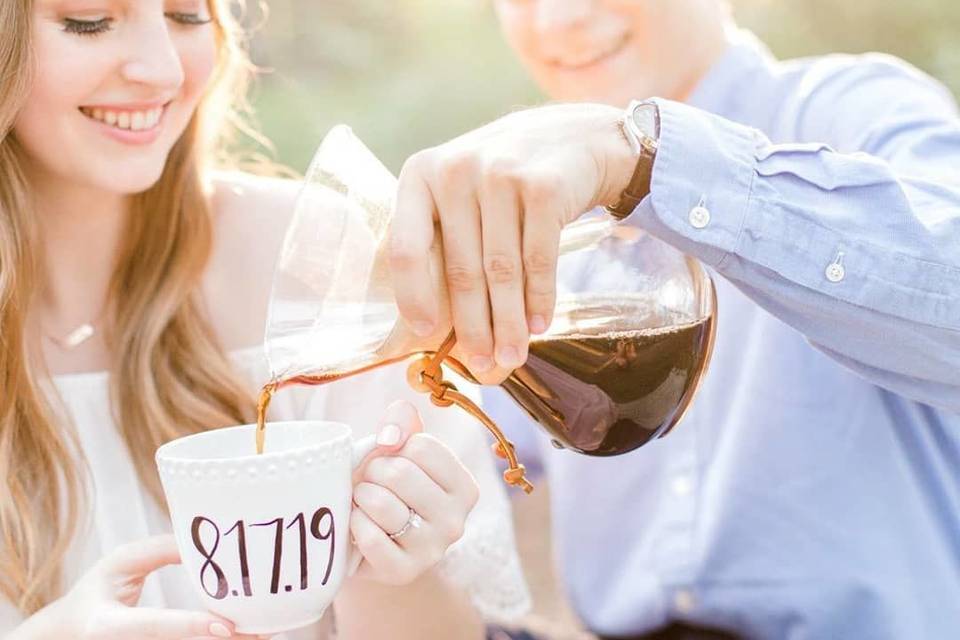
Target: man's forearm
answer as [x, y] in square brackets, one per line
[839, 246]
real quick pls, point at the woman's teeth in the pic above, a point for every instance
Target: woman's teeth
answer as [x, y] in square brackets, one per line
[130, 120]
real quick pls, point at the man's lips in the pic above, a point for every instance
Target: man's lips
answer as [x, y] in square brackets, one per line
[581, 64]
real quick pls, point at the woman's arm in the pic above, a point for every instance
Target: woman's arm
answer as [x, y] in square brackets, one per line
[430, 607]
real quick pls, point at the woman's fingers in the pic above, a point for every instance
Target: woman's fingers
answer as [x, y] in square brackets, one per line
[428, 478]
[400, 421]
[384, 560]
[443, 466]
[383, 506]
[408, 482]
[122, 623]
[422, 475]
[137, 559]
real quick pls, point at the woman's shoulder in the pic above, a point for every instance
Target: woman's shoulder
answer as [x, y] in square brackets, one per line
[251, 200]
[252, 211]
[250, 214]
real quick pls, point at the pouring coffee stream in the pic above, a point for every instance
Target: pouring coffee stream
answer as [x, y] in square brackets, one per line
[424, 374]
[619, 365]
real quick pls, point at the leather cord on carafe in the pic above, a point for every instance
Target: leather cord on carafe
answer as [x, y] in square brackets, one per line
[426, 375]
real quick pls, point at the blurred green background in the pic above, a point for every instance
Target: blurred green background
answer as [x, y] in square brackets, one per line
[407, 74]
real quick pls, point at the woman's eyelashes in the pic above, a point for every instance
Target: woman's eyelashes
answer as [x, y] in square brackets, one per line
[87, 27]
[102, 25]
[188, 18]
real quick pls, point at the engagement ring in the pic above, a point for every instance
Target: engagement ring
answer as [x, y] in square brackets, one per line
[413, 522]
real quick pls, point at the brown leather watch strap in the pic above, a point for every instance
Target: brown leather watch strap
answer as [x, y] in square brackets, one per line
[638, 188]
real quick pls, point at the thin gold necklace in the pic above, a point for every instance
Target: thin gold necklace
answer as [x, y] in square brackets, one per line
[75, 338]
[78, 335]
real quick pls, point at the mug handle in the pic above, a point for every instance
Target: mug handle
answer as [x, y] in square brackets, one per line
[361, 449]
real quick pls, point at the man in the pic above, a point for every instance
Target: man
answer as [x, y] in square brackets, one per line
[813, 490]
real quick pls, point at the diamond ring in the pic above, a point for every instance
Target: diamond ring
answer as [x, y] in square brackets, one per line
[413, 522]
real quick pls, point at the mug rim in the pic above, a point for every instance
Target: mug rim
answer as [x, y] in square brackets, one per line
[165, 452]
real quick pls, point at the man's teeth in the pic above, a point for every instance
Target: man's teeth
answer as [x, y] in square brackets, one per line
[131, 120]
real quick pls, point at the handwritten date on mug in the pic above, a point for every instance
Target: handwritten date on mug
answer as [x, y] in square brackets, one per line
[321, 527]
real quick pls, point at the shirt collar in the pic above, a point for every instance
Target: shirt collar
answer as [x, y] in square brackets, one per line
[737, 75]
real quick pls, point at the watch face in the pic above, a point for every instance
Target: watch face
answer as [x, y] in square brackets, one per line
[645, 118]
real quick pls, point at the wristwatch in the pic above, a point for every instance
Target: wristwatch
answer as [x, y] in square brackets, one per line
[641, 127]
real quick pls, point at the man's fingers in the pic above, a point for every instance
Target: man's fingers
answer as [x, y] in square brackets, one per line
[411, 236]
[466, 283]
[541, 242]
[503, 265]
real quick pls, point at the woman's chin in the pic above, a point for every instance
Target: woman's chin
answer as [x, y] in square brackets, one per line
[126, 182]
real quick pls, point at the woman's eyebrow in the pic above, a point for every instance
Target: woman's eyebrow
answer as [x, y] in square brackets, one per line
[79, 5]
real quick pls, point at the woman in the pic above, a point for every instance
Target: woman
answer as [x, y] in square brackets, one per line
[133, 286]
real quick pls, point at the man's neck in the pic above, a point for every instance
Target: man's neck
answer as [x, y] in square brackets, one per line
[711, 51]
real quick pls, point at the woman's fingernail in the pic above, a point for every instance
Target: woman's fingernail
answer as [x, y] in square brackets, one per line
[219, 630]
[508, 357]
[538, 324]
[480, 364]
[423, 328]
[389, 435]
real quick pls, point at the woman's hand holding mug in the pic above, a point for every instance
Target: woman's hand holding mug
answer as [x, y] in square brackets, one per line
[102, 604]
[413, 496]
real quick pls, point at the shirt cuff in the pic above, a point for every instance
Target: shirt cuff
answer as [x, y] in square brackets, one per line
[701, 184]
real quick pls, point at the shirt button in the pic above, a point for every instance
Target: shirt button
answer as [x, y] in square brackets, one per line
[835, 272]
[684, 601]
[681, 485]
[699, 217]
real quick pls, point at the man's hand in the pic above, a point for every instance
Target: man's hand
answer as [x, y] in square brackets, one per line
[501, 195]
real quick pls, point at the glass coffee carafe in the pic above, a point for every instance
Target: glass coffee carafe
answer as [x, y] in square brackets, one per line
[630, 340]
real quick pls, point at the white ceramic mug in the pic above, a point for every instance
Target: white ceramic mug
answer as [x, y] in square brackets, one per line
[265, 538]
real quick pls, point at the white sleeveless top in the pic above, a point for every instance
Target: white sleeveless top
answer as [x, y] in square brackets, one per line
[484, 562]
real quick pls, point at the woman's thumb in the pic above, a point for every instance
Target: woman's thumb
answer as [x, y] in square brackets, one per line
[400, 421]
[142, 557]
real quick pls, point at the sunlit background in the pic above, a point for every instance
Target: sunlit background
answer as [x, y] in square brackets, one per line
[410, 73]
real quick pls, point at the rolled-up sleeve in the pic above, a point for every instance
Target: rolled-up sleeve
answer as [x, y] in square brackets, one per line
[859, 251]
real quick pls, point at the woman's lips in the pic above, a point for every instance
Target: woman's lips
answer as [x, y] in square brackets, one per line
[128, 124]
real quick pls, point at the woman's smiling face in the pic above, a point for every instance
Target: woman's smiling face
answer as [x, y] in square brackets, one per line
[115, 84]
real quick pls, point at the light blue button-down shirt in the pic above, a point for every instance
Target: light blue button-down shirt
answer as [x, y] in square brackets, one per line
[813, 489]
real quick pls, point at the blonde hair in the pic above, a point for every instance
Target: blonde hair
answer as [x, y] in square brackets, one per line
[169, 374]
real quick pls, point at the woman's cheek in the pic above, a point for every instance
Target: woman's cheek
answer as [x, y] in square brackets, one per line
[49, 123]
[198, 58]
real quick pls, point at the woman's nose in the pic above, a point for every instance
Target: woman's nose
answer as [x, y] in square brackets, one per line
[153, 59]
